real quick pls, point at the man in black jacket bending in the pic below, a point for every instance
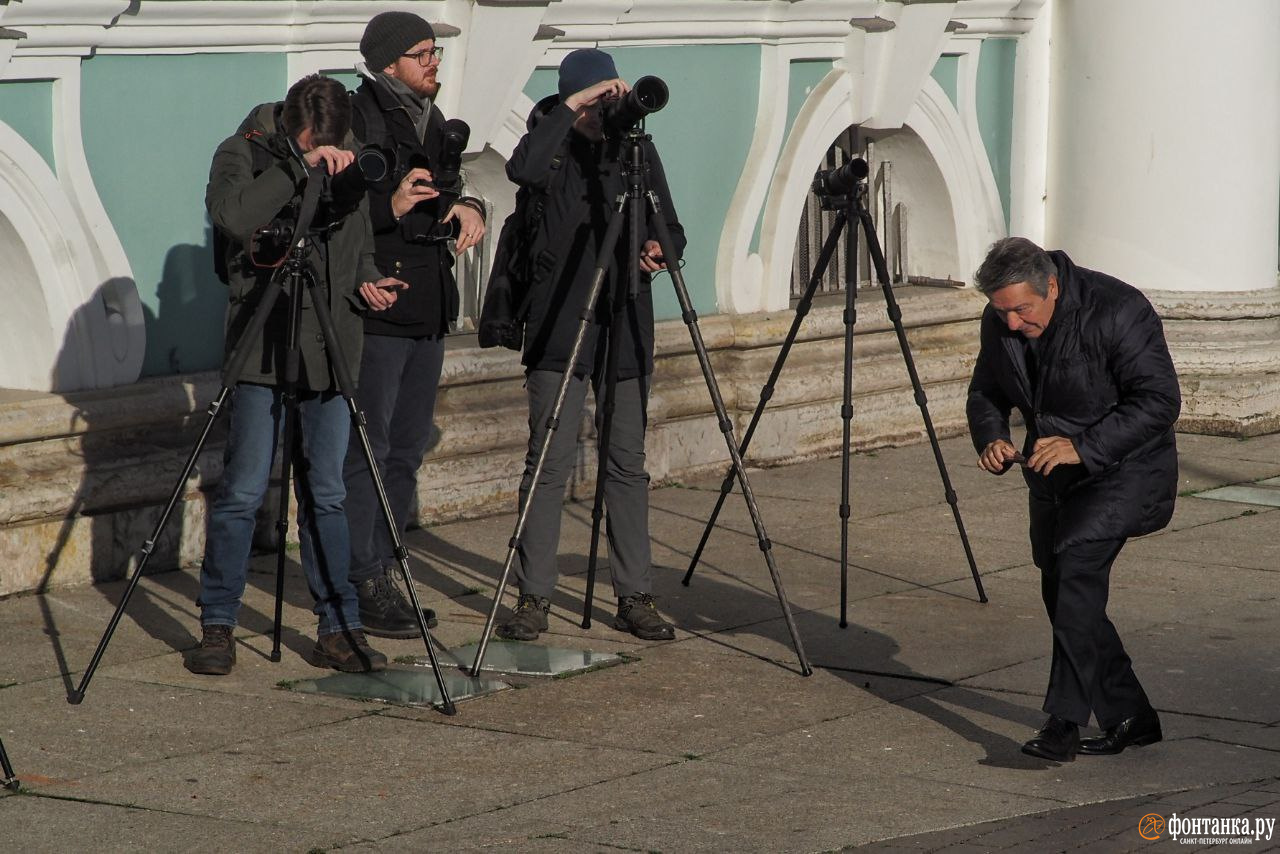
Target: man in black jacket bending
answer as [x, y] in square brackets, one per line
[566, 162]
[1082, 356]
[413, 223]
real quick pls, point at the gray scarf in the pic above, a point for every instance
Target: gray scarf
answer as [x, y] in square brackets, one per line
[419, 108]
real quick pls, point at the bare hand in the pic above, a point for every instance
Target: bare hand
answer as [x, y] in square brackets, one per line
[995, 455]
[651, 260]
[381, 295]
[409, 192]
[471, 226]
[1050, 452]
[605, 90]
[334, 159]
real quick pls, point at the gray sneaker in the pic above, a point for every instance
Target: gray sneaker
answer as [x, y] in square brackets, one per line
[637, 614]
[528, 620]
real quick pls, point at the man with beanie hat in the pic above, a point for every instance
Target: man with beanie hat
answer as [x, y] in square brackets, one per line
[413, 223]
[566, 161]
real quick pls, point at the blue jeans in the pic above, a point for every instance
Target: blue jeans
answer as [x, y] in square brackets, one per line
[257, 420]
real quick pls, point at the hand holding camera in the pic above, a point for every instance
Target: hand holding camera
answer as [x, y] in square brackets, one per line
[333, 158]
[414, 187]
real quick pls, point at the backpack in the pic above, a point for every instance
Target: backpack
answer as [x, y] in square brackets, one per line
[261, 159]
[518, 266]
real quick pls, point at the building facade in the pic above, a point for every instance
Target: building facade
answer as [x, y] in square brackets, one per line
[1143, 137]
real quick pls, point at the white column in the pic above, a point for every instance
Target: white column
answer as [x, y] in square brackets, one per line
[1164, 141]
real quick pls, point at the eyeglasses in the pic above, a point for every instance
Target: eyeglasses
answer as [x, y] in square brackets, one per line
[424, 57]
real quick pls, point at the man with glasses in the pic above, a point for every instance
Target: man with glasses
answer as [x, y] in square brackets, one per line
[413, 223]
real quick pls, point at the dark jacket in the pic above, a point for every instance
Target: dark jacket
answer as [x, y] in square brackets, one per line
[581, 181]
[415, 248]
[1106, 382]
[239, 203]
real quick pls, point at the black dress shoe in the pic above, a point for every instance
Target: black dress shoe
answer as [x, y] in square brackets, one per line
[1141, 729]
[1058, 740]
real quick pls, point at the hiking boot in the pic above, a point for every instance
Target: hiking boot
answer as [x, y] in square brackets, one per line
[349, 652]
[216, 653]
[528, 620]
[637, 614]
[384, 610]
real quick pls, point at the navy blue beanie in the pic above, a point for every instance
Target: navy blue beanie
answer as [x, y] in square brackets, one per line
[585, 67]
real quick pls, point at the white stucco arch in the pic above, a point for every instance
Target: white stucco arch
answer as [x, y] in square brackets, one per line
[974, 214]
[73, 321]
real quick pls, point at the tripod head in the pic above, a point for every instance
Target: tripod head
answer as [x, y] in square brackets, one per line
[837, 188]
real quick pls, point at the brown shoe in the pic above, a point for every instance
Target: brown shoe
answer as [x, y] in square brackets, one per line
[216, 654]
[349, 652]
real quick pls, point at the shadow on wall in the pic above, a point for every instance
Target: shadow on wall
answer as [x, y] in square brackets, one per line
[129, 445]
[185, 332]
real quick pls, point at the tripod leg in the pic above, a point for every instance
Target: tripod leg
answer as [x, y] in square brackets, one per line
[346, 385]
[290, 402]
[289, 399]
[148, 548]
[766, 393]
[846, 412]
[604, 433]
[604, 253]
[895, 315]
[690, 318]
[235, 366]
[10, 780]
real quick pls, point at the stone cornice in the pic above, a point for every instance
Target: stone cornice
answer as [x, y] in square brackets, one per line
[77, 27]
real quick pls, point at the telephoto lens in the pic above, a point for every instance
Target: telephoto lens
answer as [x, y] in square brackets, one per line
[648, 95]
[841, 180]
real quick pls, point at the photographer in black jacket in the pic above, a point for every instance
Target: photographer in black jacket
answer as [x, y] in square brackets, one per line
[574, 171]
[1082, 356]
[413, 223]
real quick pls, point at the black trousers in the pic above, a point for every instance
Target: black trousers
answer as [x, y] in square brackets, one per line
[1090, 672]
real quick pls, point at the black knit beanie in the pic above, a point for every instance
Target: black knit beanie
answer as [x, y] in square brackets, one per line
[389, 35]
[584, 67]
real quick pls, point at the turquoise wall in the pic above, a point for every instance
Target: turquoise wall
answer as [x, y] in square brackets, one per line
[150, 167]
[995, 110]
[703, 135]
[946, 72]
[27, 107]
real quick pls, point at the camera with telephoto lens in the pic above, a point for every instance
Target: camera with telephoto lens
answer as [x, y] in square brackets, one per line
[648, 95]
[842, 180]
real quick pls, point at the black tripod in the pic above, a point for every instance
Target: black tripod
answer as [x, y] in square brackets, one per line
[844, 190]
[295, 276]
[9, 780]
[637, 193]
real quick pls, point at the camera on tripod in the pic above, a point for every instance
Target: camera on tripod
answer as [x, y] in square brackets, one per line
[648, 95]
[841, 182]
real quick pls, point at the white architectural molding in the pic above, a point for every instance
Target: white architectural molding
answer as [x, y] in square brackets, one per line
[739, 273]
[1029, 157]
[973, 214]
[828, 111]
[909, 53]
[91, 333]
[976, 214]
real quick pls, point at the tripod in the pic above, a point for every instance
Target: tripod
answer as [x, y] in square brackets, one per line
[629, 207]
[9, 780]
[851, 204]
[295, 276]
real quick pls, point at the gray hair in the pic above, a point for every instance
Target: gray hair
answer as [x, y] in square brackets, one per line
[1013, 260]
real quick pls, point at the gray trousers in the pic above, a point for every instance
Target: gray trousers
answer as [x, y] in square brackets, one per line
[626, 489]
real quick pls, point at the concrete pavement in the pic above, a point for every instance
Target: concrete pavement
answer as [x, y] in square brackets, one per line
[905, 738]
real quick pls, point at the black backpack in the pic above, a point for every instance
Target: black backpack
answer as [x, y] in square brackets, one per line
[519, 266]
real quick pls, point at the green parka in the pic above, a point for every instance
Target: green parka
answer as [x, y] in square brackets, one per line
[240, 202]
